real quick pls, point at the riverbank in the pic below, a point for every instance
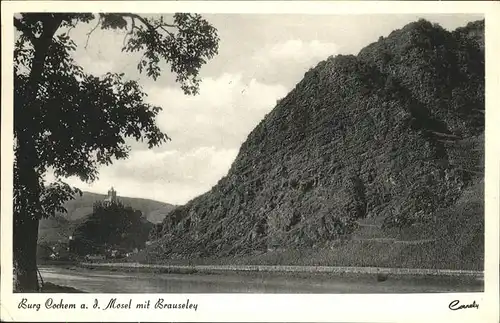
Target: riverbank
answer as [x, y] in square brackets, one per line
[377, 273]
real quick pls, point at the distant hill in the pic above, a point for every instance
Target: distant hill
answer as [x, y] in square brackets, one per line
[81, 206]
[62, 225]
[372, 159]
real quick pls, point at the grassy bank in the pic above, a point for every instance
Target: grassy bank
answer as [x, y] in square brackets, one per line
[53, 288]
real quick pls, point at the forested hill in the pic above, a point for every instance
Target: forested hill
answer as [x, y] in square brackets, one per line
[81, 206]
[391, 140]
[61, 226]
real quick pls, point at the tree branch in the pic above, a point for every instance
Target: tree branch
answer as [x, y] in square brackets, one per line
[154, 28]
[129, 33]
[91, 32]
[163, 28]
[69, 30]
[25, 30]
[141, 19]
[50, 26]
[148, 24]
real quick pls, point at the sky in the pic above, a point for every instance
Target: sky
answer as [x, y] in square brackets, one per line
[261, 58]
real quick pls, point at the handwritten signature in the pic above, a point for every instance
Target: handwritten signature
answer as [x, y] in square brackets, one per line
[455, 305]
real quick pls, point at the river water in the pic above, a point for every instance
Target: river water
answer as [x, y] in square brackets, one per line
[101, 281]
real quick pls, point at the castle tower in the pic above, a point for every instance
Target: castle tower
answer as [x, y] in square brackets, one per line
[111, 198]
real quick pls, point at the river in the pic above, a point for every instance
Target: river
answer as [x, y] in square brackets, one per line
[103, 281]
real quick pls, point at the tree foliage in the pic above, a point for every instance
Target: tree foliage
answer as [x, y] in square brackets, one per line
[82, 121]
[71, 122]
[111, 226]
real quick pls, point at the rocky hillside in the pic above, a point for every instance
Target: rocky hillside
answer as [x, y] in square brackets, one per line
[392, 136]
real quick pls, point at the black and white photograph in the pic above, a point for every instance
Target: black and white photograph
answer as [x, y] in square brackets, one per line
[254, 153]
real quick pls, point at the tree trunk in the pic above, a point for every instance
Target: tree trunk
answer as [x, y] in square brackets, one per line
[26, 216]
[25, 246]
[27, 208]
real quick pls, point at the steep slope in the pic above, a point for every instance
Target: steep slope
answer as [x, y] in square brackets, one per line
[375, 137]
[61, 226]
[440, 70]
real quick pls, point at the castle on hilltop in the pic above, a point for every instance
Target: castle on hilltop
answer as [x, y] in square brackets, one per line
[111, 198]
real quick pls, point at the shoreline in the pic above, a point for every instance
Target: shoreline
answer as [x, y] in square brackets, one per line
[285, 270]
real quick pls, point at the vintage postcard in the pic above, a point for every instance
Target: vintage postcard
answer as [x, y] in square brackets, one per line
[250, 161]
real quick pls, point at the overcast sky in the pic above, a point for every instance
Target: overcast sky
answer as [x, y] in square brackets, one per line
[261, 58]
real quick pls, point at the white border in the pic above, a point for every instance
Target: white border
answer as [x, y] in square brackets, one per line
[268, 307]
